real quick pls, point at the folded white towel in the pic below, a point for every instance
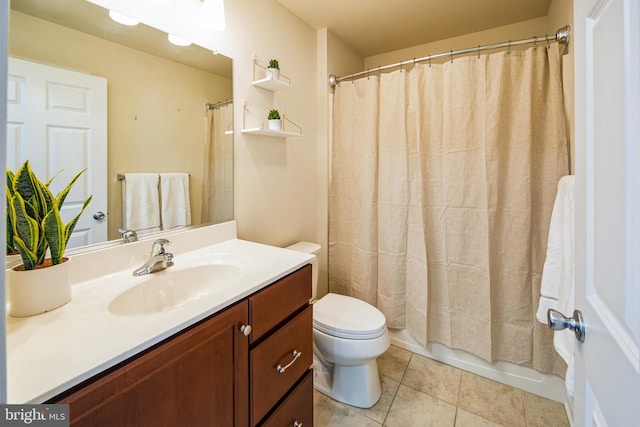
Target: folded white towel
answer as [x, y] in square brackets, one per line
[558, 274]
[175, 202]
[141, 202]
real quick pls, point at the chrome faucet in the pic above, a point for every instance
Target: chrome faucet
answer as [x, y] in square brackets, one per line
[159, 259]
[128, 236]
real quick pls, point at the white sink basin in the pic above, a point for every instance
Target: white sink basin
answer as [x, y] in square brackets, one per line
[179, 285]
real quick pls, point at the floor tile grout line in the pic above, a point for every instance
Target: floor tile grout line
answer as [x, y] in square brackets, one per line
[400, 383]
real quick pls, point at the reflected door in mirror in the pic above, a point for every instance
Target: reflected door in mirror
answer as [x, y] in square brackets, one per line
[57, 119]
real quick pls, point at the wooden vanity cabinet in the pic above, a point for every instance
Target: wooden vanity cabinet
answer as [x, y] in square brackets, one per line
[197, 378]
[211, 374]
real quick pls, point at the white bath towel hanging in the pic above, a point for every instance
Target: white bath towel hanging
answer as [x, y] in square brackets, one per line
[175, 203]
[558, 274]
[141, 202]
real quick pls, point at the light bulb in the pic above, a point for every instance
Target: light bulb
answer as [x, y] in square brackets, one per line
[213, 14]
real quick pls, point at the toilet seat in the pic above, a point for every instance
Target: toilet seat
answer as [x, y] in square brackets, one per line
[346, 317]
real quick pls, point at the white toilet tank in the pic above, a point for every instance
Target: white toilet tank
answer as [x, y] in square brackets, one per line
[310, 248]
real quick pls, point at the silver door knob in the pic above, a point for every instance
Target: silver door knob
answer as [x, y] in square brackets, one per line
[558, 321]
[98, 215]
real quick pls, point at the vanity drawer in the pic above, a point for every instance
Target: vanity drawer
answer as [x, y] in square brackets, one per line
[275, 303]
[297, 407]
[274, 368]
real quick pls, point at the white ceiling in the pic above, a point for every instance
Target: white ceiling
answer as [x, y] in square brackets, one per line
[372, 27]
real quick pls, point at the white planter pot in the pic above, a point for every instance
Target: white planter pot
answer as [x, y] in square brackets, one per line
[273, 73]
[37, 291]
[275, 124]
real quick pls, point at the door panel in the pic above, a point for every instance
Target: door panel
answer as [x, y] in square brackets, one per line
[607, 211]
[57, 119]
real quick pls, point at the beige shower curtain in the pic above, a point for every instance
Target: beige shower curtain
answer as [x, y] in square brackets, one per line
[443, 181]
[217, 189]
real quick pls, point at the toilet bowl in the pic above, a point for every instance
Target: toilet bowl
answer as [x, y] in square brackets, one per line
[348, 336]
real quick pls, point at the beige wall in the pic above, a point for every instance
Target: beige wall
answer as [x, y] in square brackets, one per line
[156, 119]
[276, 180]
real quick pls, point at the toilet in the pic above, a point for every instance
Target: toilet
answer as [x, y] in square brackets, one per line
[348, 336]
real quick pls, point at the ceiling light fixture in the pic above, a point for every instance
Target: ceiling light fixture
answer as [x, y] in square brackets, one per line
[122, 19]
[178, 41]
[213, 14]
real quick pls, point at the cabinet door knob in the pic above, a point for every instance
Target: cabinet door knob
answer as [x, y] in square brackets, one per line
[296, 354]
[296, 423]
[245, 329]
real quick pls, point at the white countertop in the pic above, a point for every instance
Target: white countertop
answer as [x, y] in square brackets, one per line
[51, 352]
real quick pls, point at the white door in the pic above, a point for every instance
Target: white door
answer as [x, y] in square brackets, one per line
[607, 61]
[57, 119]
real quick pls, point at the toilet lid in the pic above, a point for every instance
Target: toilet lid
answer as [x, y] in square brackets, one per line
[346, 317]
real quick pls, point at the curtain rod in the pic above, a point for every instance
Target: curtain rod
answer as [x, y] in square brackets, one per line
[210, 106]
[562, 36]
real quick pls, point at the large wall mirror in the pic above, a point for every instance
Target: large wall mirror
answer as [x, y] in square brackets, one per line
[168, 108]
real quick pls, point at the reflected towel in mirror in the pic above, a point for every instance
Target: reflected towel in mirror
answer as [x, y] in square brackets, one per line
[141, 202]
[174, 198]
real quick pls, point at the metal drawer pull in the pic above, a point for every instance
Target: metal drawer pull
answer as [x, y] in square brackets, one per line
[296, 355]
[297, 424]
[245, 329]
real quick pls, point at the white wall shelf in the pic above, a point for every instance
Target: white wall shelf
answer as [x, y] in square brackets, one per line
[258, 127]
[271, 84]
[262, 78]
[269, 132]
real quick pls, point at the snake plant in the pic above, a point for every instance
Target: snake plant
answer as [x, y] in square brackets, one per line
[34, 214]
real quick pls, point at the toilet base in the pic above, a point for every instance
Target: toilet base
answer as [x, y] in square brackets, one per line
[357, 385]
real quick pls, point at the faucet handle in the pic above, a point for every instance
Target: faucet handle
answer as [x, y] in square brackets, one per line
[128, 236]
[158, 246]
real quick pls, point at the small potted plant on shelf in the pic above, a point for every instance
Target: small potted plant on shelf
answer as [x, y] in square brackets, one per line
[39, 284]
[275, 122]
[273, 70]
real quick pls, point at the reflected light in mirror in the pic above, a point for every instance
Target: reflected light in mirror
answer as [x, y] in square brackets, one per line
[213, 14]
[178, 41]
[122, 19]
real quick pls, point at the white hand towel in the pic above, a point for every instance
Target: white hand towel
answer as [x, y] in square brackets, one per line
[175, 202]
[141, 202]
[558, 274]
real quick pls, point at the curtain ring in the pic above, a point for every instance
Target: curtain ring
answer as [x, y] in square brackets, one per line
[509, 49]
[379, 71]
[546, 37]
[535, 42]
[401, 69]
[367, 74]
[429, 61]
[478, 51]
[452, 57]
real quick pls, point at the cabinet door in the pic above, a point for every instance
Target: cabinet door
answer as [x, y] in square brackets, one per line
[198, 378]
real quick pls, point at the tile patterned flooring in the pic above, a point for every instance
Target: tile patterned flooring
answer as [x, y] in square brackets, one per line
[417, 391]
